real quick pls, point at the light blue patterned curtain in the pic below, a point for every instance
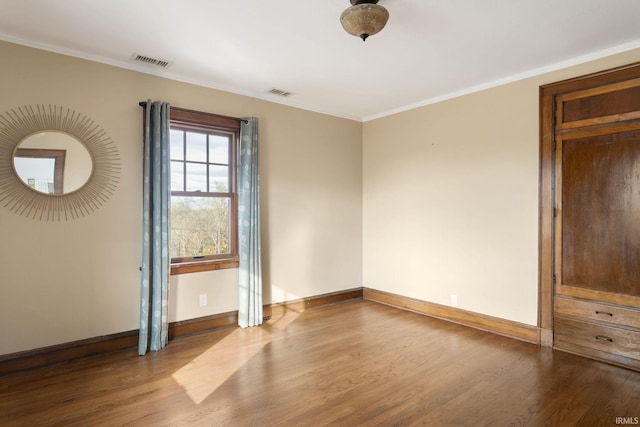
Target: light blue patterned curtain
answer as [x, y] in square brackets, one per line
[250, 273]
[155, 244]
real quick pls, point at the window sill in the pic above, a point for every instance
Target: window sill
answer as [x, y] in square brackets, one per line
[209, 265]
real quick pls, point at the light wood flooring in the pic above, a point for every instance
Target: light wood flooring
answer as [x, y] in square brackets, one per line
[349, 364]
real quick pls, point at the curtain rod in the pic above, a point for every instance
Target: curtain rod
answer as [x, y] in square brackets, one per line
[143, 104]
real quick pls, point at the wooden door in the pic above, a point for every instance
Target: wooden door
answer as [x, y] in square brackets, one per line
[590, 216]
[598, 213]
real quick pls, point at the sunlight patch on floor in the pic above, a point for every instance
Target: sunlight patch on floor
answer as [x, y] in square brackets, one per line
[204, 374]
[282, 321]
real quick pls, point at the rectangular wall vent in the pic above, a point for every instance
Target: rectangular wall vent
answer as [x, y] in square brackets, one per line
[280, 92]
[147, 60]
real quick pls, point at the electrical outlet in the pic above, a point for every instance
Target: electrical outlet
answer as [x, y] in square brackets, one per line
[203, 300]
[454, 300]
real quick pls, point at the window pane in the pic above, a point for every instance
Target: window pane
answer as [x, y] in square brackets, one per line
[219, 179]
[177, 176]
[200, 226]
[177, 147]
[219, 149]
[196, 177]
[196, 147]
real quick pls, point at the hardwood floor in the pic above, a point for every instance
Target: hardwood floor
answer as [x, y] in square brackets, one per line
[356, 363]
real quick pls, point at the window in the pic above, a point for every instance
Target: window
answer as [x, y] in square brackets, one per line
[41, 169]
[203, 191]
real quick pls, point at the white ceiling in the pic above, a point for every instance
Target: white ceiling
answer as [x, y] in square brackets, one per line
[430, 50]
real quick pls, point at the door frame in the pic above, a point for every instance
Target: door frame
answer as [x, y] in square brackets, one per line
[547, 177]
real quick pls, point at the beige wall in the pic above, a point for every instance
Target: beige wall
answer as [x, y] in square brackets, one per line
[427, 203]
[66, 281]
[450, 198]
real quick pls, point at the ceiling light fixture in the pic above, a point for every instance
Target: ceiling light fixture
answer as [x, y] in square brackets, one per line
[364, 18]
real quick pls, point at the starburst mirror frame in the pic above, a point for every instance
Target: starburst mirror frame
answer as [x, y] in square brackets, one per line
[18, 124]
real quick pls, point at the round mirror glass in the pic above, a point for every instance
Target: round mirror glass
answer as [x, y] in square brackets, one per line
[52, 162]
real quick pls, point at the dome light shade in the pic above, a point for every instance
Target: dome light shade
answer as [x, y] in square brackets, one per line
[364, 18]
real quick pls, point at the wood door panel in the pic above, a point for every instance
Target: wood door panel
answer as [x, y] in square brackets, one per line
[624, 100]
[600, 243]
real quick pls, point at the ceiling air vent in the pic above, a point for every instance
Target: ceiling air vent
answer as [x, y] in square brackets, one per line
[147, 60]
[280, 92]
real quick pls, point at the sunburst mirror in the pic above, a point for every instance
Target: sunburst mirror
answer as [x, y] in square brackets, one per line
[55, 163]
